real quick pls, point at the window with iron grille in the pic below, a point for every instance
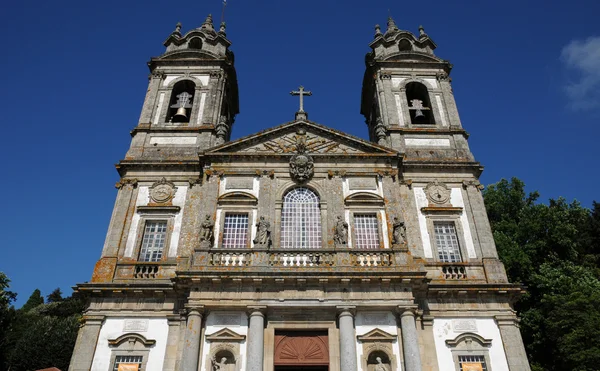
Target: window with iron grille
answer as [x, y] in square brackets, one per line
[153, 242]
[235, 231]
[470, 360]
[129, 360]
[367, 231]
[446, 242]
[301, 220]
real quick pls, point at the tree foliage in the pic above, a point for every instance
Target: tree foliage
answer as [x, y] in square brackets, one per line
[42, 335]
[34, 300]
[7, 297]
[553, 250]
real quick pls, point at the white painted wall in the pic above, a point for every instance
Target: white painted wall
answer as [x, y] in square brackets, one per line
[399, 109]
[178, 200]
[112, 328]
[142, 200]
[427, 142]
[201, 109]
[255, 191]
[443, 330]
[438, 99]
[214, 323]
[456, 199]
[421, 201]
[172, 140]
[161, 99]
[369, 321]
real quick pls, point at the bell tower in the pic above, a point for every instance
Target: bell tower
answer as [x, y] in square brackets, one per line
[192, 96]
[407, 98]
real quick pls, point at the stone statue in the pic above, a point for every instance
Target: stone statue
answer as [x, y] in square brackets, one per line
[221, 366]
[206, 231]
[263, 232]
[399, 236]
[340, 237]
[380, 366]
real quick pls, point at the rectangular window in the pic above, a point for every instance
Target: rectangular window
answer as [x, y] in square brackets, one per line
[153, 243]
[367, 231]
[446, 242]
[235, 231]
[472, 363]
[128, 363]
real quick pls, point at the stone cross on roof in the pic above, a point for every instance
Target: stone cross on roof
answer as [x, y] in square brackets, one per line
[301, 92]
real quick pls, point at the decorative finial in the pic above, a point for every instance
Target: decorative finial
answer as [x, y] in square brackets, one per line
[391, 25]
[222, 28]
[208, 23]
[422, 31]
[177, 29]
[377, 30]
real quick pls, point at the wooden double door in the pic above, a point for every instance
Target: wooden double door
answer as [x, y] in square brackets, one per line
[301, 351]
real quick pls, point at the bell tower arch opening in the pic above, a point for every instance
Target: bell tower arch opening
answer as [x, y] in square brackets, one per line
[180, 105]
[419, 104]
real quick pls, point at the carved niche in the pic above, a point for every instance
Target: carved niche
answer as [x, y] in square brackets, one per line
[378, 352]
[301, 349]
[162, 192]
[224, 351]
[438, 193]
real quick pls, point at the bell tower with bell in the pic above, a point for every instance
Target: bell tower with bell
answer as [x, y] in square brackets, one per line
[407, 98]
[192, 96]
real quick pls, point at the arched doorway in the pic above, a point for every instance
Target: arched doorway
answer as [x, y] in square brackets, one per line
[301, 351]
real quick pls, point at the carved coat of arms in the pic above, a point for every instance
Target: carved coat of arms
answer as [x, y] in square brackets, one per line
[302, 166]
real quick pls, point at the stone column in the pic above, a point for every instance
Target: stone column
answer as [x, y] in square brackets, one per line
[347, 340]
[191, 347]
[513, 343]
[410, 341]
[256, 339]
[85, 347]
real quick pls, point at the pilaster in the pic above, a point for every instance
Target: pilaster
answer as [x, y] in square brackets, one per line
[85, 346]
[172, 343]
[513, 343]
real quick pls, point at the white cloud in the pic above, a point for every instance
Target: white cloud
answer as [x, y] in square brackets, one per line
[583, 58]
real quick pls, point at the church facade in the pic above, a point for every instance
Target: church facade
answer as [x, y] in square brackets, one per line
[299, 247]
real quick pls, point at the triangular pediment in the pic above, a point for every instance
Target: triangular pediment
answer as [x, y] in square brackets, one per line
[377, 335]
[226, 335]
[318, 139]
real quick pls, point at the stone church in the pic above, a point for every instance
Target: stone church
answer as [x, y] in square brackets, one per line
[299, 247]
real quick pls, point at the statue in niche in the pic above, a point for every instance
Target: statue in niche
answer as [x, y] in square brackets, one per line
[340, 236]
[221, 365]
[263, 232]
[206, 231]
[399, 236]
[380, 366]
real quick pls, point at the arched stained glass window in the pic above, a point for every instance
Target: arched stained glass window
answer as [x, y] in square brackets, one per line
[301, 220]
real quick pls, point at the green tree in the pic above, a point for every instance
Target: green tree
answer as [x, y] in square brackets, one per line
[34, 300]
[550, 249]
[45, 335]
[55, 296]
[7, 297]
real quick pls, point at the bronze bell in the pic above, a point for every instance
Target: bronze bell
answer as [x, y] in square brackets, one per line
[180, 115]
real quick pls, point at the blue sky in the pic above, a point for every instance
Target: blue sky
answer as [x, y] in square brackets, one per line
[526, 79]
